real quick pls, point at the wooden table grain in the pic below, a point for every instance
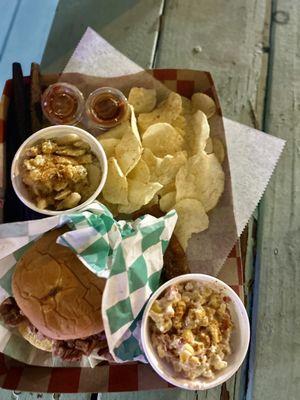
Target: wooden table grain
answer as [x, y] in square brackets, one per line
[252, 49]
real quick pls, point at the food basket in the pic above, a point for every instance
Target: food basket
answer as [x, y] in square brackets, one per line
[104, 377]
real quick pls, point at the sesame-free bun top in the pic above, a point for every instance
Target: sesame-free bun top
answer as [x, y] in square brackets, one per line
[56, 292]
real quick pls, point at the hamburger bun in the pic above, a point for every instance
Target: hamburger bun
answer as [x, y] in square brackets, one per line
[42, 344]
[56, 292]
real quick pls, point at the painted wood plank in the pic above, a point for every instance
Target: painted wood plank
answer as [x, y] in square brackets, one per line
[8, 11]
[277, 364]
[129, 25]
[27, 36]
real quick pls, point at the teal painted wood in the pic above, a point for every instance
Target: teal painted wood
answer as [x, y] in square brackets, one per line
[277, 363]
[8, 10]
[24, 38]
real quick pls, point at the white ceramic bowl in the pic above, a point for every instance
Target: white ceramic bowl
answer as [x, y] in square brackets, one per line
[239, 339]
[47, 133]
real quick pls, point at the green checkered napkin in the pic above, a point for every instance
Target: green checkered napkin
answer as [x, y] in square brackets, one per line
[128, 254]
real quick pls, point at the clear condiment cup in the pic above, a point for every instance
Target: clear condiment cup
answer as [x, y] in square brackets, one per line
[63, 104]
[106, 107]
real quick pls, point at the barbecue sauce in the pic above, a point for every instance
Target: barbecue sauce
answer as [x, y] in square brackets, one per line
[107, 107]
[62, 104]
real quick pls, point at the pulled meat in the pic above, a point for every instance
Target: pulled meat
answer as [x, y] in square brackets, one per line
[73, 350]
[11, 313]
[68, 350]
[102, 344]
[175, 260]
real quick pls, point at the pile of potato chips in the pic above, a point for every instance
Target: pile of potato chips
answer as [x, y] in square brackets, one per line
[164, 155]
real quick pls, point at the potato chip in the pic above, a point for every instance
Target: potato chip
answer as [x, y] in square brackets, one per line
[139, 194]
[117, 132]
[140, 172]
[94, 174]
[131, 208]
[170, 187]
[167, 202]
[109, 145]
[152, 162]
[113, 208]
[167, 111]
[218, 149]
[162, 139]
[192, 218]
[167, 169]
[201, 101]
[128, 209]
[209, 146]
[115, 190]
[186, 105]
[180, 125]
[197, 132]
[201, 178]
[201, 130]
[143, 100]
[137, 210]
[134, 125]
[128, 151]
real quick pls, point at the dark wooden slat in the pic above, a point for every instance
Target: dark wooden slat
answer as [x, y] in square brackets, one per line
[36, 114]
[18, 128]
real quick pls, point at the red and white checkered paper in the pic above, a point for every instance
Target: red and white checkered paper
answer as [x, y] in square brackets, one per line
[105, 377]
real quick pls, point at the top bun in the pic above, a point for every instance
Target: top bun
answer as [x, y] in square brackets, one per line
[56, 292]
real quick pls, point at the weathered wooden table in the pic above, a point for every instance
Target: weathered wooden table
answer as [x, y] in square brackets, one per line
[252, 49]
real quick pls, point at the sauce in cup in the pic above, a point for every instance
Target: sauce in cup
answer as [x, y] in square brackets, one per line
[106, 107]
[63, 103]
